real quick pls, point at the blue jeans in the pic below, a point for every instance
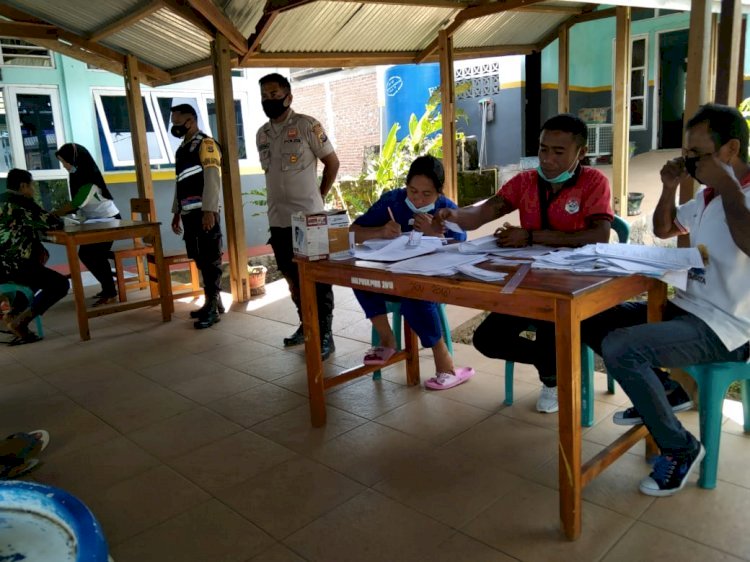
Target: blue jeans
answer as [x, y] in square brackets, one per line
[422, 316]
[631, 348]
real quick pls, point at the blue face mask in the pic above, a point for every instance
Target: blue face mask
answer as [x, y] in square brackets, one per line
[414, 209]
[562, 178]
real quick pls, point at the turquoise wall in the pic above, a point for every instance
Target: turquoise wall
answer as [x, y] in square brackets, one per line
[591, 67]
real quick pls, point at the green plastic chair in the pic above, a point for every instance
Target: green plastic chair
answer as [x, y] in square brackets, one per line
[713, 382]
[622, 228]
[12, 289]
[395, 309]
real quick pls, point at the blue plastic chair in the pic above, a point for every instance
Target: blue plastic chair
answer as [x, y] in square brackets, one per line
[395, 309]
[713, 382]
[13, 289]
[622, 228]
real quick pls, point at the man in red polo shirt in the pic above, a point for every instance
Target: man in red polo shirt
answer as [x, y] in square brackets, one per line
[561, 203]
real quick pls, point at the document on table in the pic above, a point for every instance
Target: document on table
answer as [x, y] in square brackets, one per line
[396, 249]
[488, 245]
[481, 274]
[438, 264]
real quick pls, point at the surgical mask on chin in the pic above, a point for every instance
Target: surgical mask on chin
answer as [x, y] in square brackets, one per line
[415, 209]
[274, 108]
[562, 178]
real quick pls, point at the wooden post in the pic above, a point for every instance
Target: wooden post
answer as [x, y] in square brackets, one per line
[621, 135]
[728, 52]
[230, 169]
[741, 63]
[563, 71]
[448, 110]
[713, 56]
[137, 119]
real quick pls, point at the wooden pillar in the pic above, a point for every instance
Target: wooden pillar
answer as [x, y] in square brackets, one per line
[621, 134]
[741, 64]
[713, 56]
[563, 71]
[230, 169]
[138, 128]
[448, 110]
[728, 55]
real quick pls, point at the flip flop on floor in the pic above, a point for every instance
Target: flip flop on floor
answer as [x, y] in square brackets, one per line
[18, 470]
[31, 337]
[378, 355]
[443, 381]
[20, 458]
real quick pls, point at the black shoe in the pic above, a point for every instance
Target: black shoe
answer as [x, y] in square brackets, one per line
[198, 313]
[327, 346]
[671, 472]
[297, 338]
[210, 316]
[678, 399]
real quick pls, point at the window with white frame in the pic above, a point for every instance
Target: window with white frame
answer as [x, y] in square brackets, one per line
[17, 52]
[238, 121]
[165, 102]
[114, 122]
[638, 82]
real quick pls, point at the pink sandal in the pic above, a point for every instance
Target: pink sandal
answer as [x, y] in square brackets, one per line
[378, 355]
[443, 381]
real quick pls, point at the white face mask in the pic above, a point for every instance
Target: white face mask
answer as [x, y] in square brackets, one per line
[415, 209]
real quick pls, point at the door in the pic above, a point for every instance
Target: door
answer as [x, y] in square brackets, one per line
[672, 73]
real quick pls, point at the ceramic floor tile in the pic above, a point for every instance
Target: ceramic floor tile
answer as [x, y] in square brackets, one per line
[222, 383]
[370, 452]
[209, 531]
[370, 399]
[231, 460]
[184, 432]
[258, 404]
[370, 528]
[446, 485]
[486, 391]
[14, 372]
[138, 503]
[237, 355]
[460, 547]
[290, 496]
[716, 518]
[180, 369]
[644, 542]
[277, 553]
[274, 366]
[525, 524]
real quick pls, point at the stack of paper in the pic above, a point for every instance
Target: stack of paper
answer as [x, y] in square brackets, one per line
[481, 274]
[442, 263]
[396, 249]
[668, 264]
[488, 245]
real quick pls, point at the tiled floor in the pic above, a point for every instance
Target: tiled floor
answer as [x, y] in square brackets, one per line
[197, 446]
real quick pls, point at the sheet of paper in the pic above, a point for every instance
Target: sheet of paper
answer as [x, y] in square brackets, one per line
[437, 264]
[668, 258]
[482, 274]
[398, 249]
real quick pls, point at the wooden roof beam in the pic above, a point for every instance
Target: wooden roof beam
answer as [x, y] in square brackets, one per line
[221, 23]
[196, 69]
[25, 30]
[138, 13]
[182, 9]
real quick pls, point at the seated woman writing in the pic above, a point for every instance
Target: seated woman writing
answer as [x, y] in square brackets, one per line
[396, 212]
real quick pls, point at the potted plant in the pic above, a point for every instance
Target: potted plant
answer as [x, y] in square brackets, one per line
[257, 274]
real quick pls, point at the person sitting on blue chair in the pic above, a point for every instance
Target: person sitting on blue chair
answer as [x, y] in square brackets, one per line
[398, 211]
[708, 322]
[22, 254]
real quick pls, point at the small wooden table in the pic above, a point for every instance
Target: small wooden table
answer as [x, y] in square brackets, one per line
[563, 298]
[73, 236]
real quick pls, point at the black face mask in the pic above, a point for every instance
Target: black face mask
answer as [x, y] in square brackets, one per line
[274, 108]
[179, 131]
[691, 165]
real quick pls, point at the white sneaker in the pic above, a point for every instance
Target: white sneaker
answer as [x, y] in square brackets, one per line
[547, 402]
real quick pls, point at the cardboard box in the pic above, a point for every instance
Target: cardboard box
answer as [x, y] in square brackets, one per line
[321, 235]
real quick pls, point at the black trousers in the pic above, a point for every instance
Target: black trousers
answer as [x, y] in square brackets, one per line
[96, 259]
[499, 337]
[204, 247]
[281, 242]
[48, 285]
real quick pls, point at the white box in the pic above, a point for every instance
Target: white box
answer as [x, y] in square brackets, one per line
[321, 235]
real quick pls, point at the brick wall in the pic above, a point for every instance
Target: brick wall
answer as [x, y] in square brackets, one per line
[348, 109]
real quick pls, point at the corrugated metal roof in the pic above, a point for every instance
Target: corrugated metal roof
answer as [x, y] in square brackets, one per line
[78, 16]
[163, 39]
[354, 27]
[507, 28]
[244, 13]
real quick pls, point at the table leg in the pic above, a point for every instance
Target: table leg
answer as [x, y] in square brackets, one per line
[568, 350]
[412, 361]
[310, 323]
[78, 294]
[165, 283]
[657, 302]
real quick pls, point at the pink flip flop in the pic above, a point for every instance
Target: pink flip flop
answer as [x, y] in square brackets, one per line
[443, 381]
[378, 355]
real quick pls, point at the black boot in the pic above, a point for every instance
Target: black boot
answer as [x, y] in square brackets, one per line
[297, 338]
[211, 315]
[326, 338]
[202, 310]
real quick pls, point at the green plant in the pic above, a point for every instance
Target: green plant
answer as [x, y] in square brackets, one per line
[389, 168]
[257, 197]
[745, 110]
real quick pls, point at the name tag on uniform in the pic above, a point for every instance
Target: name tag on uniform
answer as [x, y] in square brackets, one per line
[191, 203]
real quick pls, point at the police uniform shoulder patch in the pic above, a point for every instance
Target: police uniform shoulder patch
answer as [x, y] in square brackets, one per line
[318, 131]
[210, 155]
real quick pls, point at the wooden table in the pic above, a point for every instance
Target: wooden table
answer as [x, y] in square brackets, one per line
[73, 236]
[563, 298]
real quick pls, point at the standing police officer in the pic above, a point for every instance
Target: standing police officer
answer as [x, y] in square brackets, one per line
[196, 204]
[290, 145]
